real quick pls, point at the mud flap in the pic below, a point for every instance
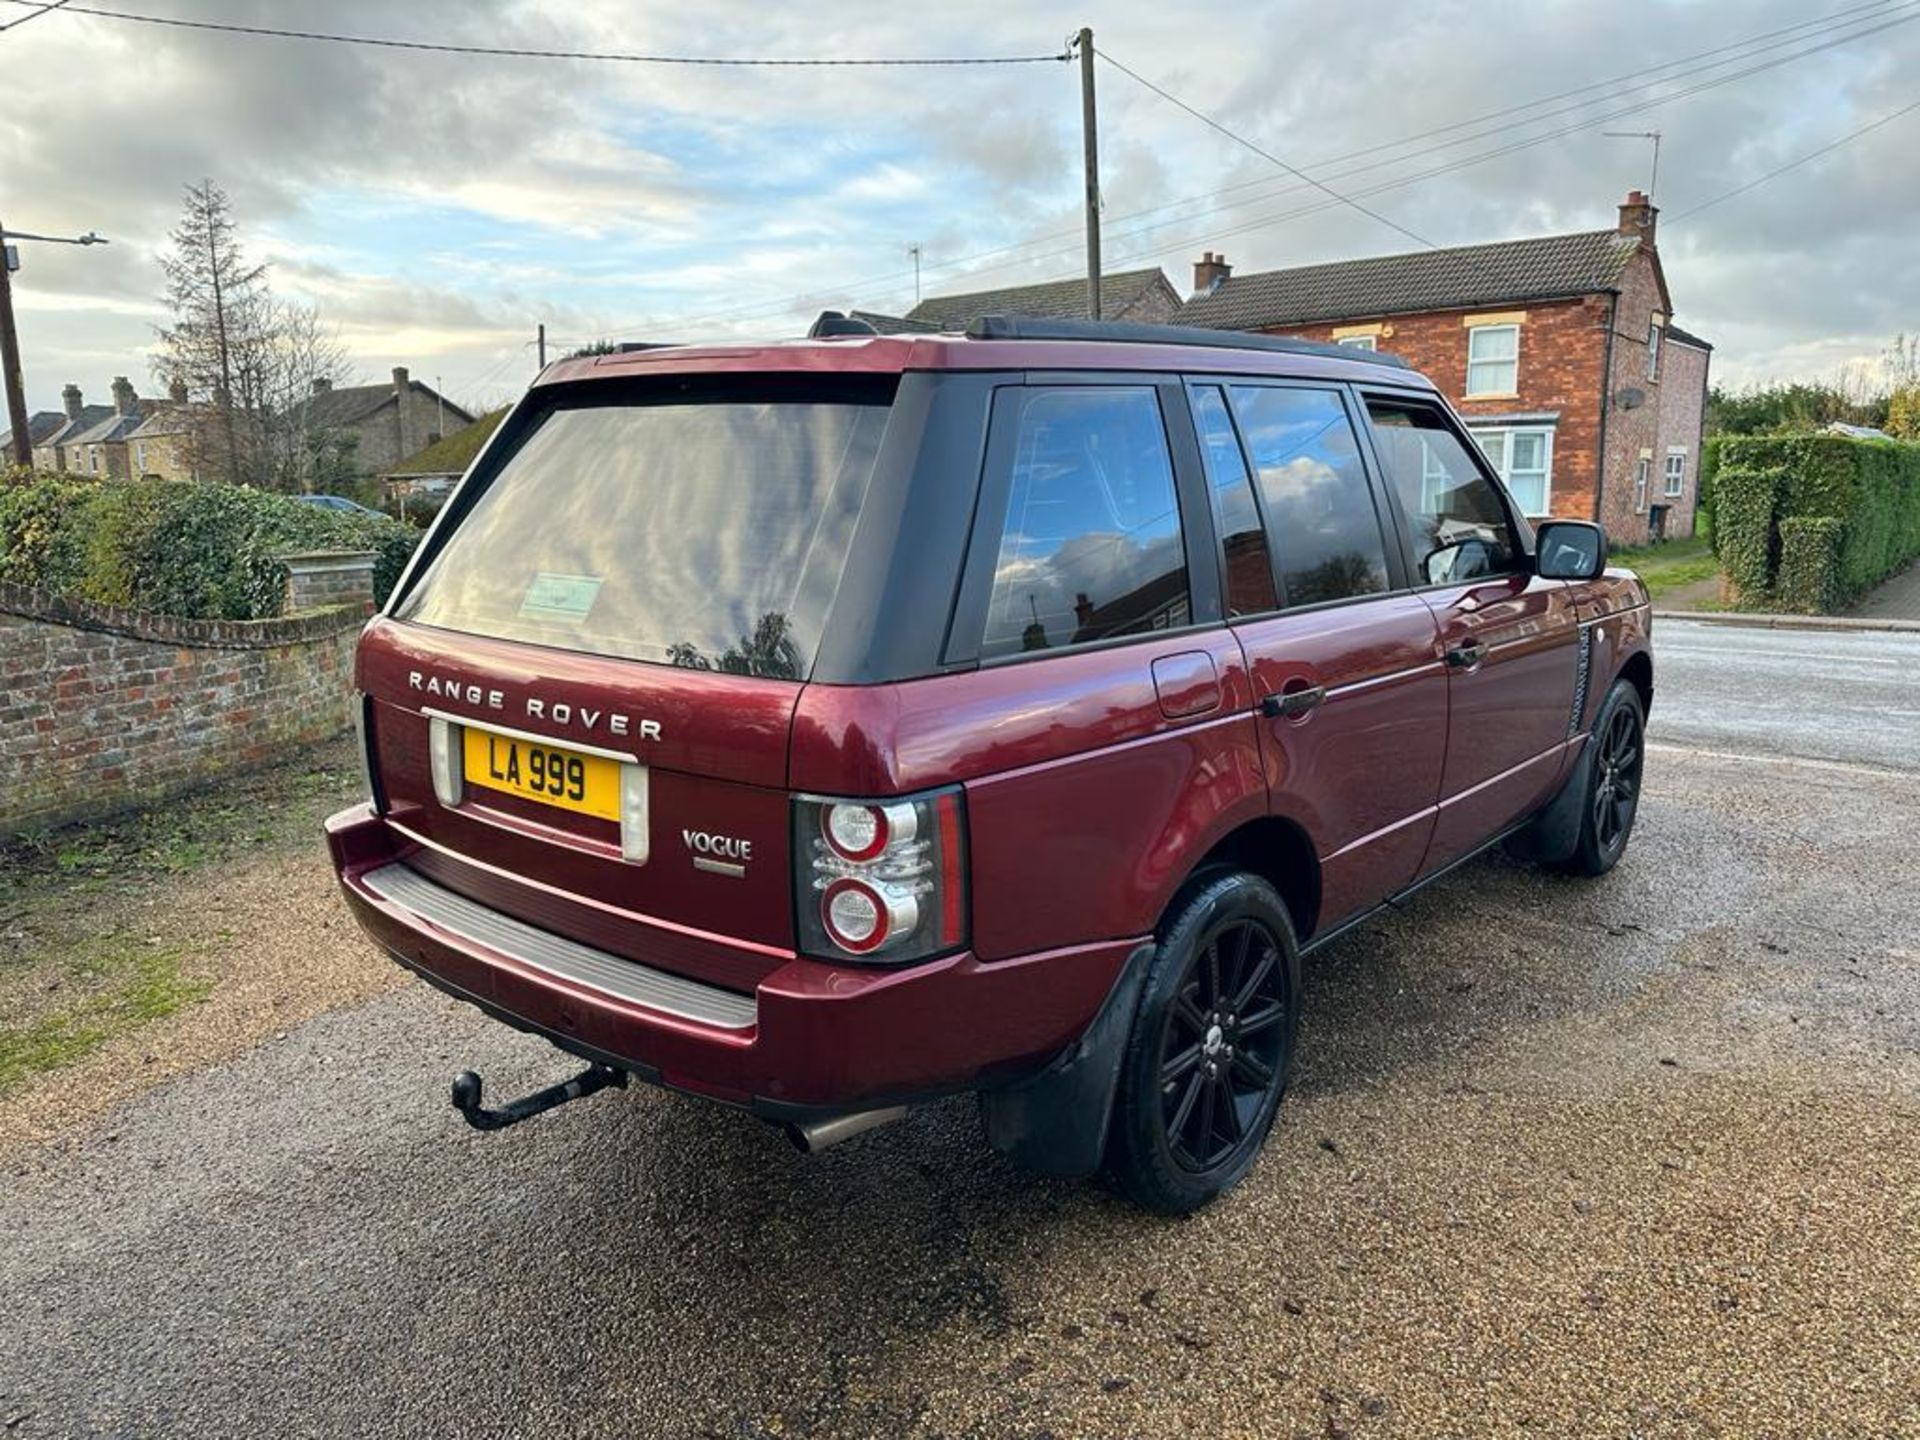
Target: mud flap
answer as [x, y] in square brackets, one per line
[1056, 1122]
[1554, 834]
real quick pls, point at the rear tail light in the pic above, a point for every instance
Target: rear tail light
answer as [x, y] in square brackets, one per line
[881, 880]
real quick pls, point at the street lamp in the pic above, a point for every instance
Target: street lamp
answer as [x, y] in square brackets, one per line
[10, 337]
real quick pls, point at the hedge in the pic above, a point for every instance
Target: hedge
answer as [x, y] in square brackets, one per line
[1870, 489]
[200, 551]
[1809, 564]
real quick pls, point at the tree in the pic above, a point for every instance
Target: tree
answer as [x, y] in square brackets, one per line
[248, 360]
[221, 312]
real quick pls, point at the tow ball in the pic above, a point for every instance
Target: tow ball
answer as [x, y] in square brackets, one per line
[466, 1097]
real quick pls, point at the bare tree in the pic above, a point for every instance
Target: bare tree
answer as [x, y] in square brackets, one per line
[299, 454]
[221, 328]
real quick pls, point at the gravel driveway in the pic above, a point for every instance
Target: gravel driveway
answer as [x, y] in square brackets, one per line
[1637, 1157]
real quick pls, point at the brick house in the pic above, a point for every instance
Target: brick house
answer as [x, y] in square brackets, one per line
[1143, 296]
[76, 417]
[1557, 351]
[387, 422]
[102, 448]
[163, 447]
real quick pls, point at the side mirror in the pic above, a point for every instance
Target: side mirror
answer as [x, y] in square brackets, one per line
[1570, 550]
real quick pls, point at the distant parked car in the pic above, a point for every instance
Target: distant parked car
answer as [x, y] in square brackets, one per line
[339, 502]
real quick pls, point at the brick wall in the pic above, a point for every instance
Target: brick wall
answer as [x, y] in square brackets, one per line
[1633, 432]
[1563, 348]
[321, 579]
[1683, 401]
[102, 709]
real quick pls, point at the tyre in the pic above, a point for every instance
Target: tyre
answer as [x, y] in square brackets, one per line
[1612, 796]
[1207, 1059]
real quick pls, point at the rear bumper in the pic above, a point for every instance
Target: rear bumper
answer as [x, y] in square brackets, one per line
[812, 1037]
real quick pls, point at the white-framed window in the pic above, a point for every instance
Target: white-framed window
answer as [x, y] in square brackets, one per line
[93, 459]
[1676, 473]
[1642, 470]
[1493, 360]
[1359, 342]
[139, 458]
[1523, 454]
[1653, 349]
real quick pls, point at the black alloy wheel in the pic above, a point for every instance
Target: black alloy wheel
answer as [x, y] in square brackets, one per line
[1616, 759]
[1616, 791]
[1206, 1062]
[1221, 1044]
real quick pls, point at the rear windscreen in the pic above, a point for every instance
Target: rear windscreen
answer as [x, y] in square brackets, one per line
[709, 533]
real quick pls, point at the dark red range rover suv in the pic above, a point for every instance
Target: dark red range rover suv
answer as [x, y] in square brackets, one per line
[824, 726]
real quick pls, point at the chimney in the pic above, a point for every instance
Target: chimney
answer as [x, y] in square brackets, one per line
[321, 384]
[177, 390]
[125, 402]
[1637, 214]
[71, 402]
[401, 382]
[1208, 271]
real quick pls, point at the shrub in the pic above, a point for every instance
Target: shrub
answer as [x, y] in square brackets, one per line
[1808, 581]
[1703, 514]
[1870, 488]
[1746, 502]
[37, 544]
[198, 550]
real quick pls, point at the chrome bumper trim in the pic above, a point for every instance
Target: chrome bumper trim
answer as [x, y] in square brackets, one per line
[627, 980]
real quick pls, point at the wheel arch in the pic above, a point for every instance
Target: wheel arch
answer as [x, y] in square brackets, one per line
[1278, 849]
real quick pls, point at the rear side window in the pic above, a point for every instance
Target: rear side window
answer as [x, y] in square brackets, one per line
[1456, 522]
[705, 533]
[1243, 543]
[1319, 505]
[1091, 548]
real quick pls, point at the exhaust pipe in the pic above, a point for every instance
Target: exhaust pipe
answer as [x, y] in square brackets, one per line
[810, 1137]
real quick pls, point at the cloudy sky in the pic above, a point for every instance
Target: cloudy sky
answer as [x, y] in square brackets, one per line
[437, 207]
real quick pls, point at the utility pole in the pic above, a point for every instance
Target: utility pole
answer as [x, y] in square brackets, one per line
[10, 361]
[1090, 125]
[541, 342]
[10, 339]
[914, 251]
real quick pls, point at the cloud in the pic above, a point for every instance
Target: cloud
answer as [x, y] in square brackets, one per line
[438, 207]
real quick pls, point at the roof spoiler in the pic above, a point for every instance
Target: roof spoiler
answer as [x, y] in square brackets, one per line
[1124, 332]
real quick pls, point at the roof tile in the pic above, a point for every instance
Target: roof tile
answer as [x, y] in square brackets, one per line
[1510, 270]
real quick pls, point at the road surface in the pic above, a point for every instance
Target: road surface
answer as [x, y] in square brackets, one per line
[1627, 1157]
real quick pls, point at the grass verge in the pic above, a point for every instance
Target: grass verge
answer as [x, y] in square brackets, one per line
[1670, 566]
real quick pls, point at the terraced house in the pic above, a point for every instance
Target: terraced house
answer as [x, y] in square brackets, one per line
[1560, 352]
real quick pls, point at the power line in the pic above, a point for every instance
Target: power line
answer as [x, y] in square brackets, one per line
[1795, 164]
[1264, 154]
[1868, 23]
[44, 9]
[1643, 78]
[527, 53]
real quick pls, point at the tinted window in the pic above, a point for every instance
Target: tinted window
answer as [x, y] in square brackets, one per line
[1243, 542]
[1456, 523]
[710, 533]
[1091, 547]
[1319, 508]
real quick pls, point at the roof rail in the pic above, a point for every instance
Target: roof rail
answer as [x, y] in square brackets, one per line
[1124, 332]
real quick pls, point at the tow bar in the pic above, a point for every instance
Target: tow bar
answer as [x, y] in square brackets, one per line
[466, 1097]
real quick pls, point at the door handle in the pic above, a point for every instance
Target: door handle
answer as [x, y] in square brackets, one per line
[1465, 657]
[1293, 704]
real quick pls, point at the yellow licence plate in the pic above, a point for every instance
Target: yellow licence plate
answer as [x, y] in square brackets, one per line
[550, 774]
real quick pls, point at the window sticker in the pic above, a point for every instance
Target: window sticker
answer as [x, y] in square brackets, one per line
[559, 597]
